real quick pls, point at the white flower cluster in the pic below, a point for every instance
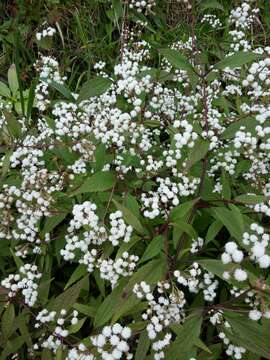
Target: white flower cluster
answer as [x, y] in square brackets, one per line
[119, 230]
[196, 245]
[141, 5]
[112, 343]
[58, 324]
[194, 281]
[48, 69]
[166, 309]
[232, 350]
[111, 270]
[212, 20]
[24, 282]
[167, 195]
[49, 31]
[159, 345]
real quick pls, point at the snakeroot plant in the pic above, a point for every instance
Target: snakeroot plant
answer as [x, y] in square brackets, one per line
[135, 206]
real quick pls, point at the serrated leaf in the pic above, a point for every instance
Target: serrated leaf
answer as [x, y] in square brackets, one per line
[130, 218]
[101, 181]
[153, 249]
[143, 346]
[62, 89]
[7, 321]
[94, 87]
[250, 199]
[230, 219]
[245, 329]
[68, 297]
[197, 153]
[186, 338]
[238, 59]
[79, 272]
[176, 59]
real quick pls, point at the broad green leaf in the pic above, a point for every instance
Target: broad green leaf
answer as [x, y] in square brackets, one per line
[182, 210]
[52, 221]
[13, 125]
[31, 99]
[197, 153]
[236, 60]
[62, 89]
[4, 90]
[180, 227]
[142, 346]
[109, 305]
[7, 321]
[88, 310]
[186, 339]
[11, 347]
[130, 218]
[153, 249]
[226, 188]
[176, 59]
[211, 4]
[13, 79]
[249, 334]
[94, 87]
[76, 327]
[213, 230]
[250, 199]
[79, 272]
[230, 219]
[248, 122]
[68, 297]
[101, 181]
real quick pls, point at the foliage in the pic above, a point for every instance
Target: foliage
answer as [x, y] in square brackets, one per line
[134, 184]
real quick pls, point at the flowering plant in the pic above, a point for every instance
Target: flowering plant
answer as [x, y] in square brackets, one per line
[134, 209]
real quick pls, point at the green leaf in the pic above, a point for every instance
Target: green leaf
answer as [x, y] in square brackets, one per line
[213, 230]
[211, 4]
[94, 87]
[79, 272]
[142, 346]
[12, 346]
[197, 153]
[13, 79]
[153, 249]
[176, 59]
[232, 220]
[250, 199]
[31, 98]
[236, 60]
[181, 227]
[13, 125]
[7, 321]
[187, 336]
[68, 297]
[61, 89]
[101, 181]
[249, 123]
[226, 188]
[109, 305]
[88, 310]
[52, 221]
[249, 334]
[182, 210]
[76, 327]
[130, 218]
[4, 90]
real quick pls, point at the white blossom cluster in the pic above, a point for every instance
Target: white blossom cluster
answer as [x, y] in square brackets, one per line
[58, 323]
[212, 20]
[24, 282]
[196, 279]
[49, 31]
[142, 5]
[112, 343]
[162, 311]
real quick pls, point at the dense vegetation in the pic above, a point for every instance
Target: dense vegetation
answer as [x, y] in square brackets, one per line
[134, 179]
